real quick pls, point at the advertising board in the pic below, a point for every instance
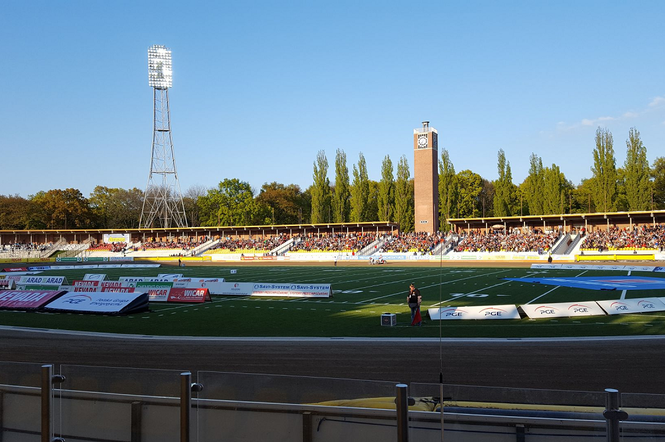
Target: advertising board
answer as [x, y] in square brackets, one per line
[487, 312]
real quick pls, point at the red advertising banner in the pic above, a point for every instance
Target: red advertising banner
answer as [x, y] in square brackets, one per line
[85, 286]
[27, 299]
[116, 289]
[189, 295]
[15, 269]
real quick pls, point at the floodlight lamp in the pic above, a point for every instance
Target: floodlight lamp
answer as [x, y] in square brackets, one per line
[160, 71]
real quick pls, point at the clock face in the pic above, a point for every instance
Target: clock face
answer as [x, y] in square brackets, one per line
[422, 141]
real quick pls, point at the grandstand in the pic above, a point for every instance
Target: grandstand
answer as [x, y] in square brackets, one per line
[528, 238]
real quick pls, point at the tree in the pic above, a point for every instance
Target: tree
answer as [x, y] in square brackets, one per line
[230, 204]
[15, 212]
[604, 171]
[284, 202]
[116, 208]
[486, 198]
[62, 209]
[404, 196]
[447, 190]
[470, 188]
[386, 191]
[360, 191]
[190, 200]
[321, 196]
[533, 187]
[637, 173]
[504, 189]
[341, 197]
[658, 185]
[553, 191]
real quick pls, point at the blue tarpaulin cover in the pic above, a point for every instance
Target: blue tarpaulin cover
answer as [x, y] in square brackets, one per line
[601, 282]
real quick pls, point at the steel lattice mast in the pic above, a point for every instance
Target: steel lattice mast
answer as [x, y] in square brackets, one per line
[162, 203]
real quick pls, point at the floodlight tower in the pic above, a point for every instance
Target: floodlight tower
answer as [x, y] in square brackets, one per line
[162, 202]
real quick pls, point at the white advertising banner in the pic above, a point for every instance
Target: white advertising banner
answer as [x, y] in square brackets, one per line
[562, 310]
[507, 311]
[99, 302]
[234, 288]
[292, 290]
[144, 279]
[95, 277]
[214, 285]
[42, 280]
[637, 305]
[110, 238]
[170, 275]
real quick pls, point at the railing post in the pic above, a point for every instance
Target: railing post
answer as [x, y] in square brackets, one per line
[47, 381]
[402, 402]
[186, 388]
[137, 414]
[613, 414]
[185, 405]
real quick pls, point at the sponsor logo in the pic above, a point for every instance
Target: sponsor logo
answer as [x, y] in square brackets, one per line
[76, 299]
[619, 306]
[546, 310]
[579, 308]
[646, 305]
[493, 311]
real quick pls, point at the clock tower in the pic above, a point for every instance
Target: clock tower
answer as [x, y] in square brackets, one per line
[426, 178]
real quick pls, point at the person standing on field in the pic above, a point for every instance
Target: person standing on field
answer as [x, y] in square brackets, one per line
[414, 299]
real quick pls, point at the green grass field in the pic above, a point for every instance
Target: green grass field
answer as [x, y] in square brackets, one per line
[361, 295]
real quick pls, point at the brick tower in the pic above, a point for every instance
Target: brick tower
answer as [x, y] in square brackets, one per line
[426, 178]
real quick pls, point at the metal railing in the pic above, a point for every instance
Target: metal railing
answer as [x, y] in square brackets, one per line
[72, 404]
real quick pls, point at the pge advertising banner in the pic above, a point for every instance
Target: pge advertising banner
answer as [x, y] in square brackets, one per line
[641, 305]
[562, 310]
[26, 299]
[490, 312]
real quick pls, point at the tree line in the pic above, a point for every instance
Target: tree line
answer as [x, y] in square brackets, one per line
[353, 197]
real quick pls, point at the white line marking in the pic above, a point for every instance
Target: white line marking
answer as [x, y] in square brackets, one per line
[547, 292]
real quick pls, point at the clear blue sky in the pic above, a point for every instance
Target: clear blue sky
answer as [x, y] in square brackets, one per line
[260, 87]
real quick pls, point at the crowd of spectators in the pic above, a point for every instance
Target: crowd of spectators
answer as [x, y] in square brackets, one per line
[20, 247]
[339, 242]
[639, 237]
[414, 242]
[519, 240]
[249, 244]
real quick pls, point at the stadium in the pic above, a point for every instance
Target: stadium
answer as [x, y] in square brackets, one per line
[372, 310]
[273, 345]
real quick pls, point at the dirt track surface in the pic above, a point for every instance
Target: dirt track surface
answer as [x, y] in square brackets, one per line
[630, 365]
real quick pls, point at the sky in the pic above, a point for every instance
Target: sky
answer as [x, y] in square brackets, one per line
[259, 87]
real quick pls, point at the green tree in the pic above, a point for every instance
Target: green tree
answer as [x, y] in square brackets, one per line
[372, 201]
[553, 191]
[386, 191]
[230, 204]
[404, 196]
[486, 198]
[321, 195]
[447, 190]
[190, 200]
[341, 198]
[360, 191]
[636, 166]
[470, 189]
[581, 198]
[504, 189]
[533, 187]
[116, 208]
[284, 202]
[658, 185]
[604, 171]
